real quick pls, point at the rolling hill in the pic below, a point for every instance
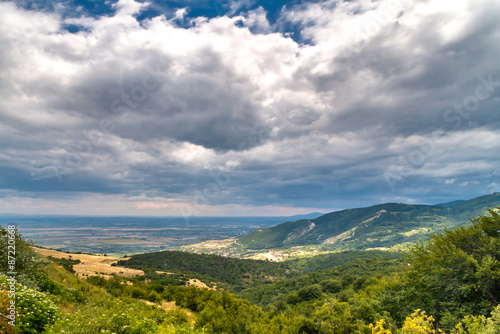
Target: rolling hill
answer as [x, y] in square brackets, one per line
[383, 225]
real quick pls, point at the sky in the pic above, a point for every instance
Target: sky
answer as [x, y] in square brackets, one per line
[246, 108]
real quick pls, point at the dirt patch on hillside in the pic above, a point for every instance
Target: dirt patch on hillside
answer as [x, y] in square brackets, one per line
[197, 283]
[91, 265]
[163, 272]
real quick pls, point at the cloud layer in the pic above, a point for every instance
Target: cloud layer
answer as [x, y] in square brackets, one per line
[376, 101]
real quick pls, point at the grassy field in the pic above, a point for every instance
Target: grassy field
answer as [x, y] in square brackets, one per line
[92, 264]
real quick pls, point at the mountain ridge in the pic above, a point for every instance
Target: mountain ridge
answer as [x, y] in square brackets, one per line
[379, 226]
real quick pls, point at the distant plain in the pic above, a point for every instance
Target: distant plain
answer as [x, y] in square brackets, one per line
[130, 235]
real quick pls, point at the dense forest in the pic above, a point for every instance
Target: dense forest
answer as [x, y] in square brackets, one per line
[448, 284]
[218, 268]
[236, 274]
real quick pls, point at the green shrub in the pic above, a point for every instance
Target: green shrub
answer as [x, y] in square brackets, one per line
[137, 293]
[154, 297]
[28, 264]
[34, 310]
[111, 316]
[177, 316]
[97, 280]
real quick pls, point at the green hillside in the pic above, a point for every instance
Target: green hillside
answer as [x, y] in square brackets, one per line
[236, 274]
[384, 225]
[212, 267]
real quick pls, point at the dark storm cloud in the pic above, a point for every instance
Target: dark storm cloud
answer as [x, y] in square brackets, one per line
[206, 107]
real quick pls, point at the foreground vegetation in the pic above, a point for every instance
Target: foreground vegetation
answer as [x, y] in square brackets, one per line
[450, 284]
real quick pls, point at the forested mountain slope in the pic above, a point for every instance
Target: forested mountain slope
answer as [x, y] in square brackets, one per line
[384, 225]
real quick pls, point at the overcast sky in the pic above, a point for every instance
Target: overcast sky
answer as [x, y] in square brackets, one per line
[245, 108]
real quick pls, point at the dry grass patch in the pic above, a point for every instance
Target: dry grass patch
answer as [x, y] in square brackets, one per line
[93, 264]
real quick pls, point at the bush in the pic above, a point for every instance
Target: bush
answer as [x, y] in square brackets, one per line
[34, 310]
[479, 324]
[177, 316]
[97, 280]
[28, 264]
[137, 293]
[111, 316]
[154, 297]
[419, 323]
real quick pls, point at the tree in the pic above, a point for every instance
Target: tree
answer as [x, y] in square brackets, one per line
[457, 272]
[310, 292]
